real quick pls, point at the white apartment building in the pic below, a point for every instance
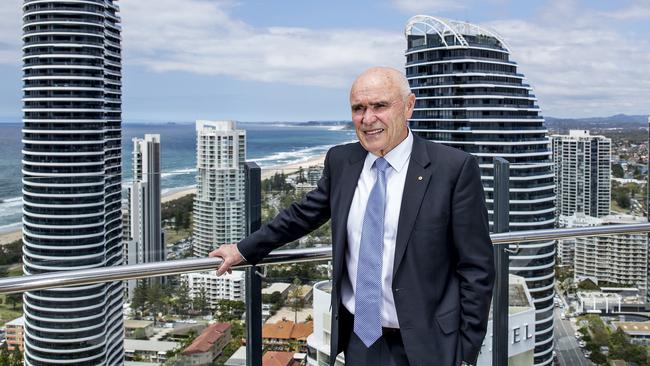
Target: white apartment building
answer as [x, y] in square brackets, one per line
[145, 242]
[521, 321]
[582, 167]
[219, 205]
[230, 286]
[615, 259]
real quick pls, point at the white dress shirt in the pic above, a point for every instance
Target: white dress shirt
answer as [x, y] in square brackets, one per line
[398, 158]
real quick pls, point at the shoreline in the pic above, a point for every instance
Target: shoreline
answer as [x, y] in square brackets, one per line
[12, 235]
[292, 167]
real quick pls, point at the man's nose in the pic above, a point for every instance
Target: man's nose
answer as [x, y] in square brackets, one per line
[369, 116]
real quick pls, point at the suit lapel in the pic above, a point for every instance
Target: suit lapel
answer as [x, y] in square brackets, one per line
[417, 181]
[348, 184]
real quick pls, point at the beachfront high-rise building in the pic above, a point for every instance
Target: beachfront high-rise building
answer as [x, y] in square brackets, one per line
[145, 243]
[470, 95]
[582, 173]
[72, 178]
[613, 260]
[219, 206]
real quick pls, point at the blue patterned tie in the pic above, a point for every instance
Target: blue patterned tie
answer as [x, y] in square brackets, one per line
[368, 294]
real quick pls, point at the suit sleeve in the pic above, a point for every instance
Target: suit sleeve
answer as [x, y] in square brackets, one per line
[475, 266]
[291, 223]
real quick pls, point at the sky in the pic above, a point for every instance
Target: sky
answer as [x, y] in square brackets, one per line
[294, 60]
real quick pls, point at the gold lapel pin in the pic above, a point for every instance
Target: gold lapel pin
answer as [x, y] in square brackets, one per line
[420, 178]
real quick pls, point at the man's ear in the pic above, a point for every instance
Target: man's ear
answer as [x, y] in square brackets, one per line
[410, 105]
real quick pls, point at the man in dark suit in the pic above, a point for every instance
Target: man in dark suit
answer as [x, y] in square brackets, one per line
[412, 257]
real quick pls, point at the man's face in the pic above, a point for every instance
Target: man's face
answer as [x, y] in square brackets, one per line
[379, 112]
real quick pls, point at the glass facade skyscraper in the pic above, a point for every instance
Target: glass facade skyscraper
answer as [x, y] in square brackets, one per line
[471, 96]
[72, 178]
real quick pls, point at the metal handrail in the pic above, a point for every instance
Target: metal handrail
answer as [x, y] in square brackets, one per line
[155, 269]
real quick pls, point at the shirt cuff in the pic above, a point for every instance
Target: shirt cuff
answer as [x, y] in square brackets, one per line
[239, 251]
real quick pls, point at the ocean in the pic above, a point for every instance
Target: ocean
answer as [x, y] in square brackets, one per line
[269, 144]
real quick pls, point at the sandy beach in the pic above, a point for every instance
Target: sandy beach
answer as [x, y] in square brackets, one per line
[10, 236]
[292, 168]
[177, 194]
[266, 173]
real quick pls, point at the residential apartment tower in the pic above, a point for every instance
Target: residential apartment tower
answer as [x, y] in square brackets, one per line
[72, 178]
[470, 95]
[582, 166]
[219, 205]
[145, 243]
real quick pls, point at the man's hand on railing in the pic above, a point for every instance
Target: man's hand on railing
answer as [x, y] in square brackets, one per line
[230, 255]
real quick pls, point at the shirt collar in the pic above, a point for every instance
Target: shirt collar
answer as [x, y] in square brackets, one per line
[398, 156]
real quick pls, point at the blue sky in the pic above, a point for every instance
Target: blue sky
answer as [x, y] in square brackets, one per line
[294, 60]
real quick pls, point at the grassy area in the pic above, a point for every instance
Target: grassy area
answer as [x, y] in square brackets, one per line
[172, 236]
[15, 270]
[616, 208]
[7, 311]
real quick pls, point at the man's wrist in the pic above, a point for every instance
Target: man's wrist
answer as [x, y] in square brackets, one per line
[241, 255]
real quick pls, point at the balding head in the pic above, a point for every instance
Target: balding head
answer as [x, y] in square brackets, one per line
[387, 75]
[381, 103]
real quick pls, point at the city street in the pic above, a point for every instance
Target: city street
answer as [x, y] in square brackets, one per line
[566, 345]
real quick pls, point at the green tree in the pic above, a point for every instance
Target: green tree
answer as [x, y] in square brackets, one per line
[617, 171]
[296, 300]
[11, 253]
[14, 299]
[301, 176]
[155, 300]
[617, 345]
[588, 285]
[598, 358]
[16, 357]
[4, 355]
[229, 310]
[183, 300]
[139, 299]
[200, 300]
[275, 300]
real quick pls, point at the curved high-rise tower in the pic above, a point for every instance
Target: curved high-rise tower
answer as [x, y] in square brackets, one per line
[471, 96]
[72, 178]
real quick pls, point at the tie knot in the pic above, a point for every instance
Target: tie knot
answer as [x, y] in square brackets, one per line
[381, 164]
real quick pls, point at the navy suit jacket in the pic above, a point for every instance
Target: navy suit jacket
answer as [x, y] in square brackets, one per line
[443, 268]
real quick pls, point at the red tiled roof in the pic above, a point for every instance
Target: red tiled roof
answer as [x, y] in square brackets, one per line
[286, 329]
[302, 330]
[210, 335]
[275, 358]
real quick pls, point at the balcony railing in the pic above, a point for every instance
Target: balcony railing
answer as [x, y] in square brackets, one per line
[253, 297]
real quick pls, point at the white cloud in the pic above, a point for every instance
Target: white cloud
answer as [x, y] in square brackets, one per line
[10, 32]
[201, 37]
[432, 6]
[640, 9]
[580, 61]
[577, 66]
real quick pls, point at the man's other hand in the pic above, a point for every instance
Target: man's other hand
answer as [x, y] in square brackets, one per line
[230, 255]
